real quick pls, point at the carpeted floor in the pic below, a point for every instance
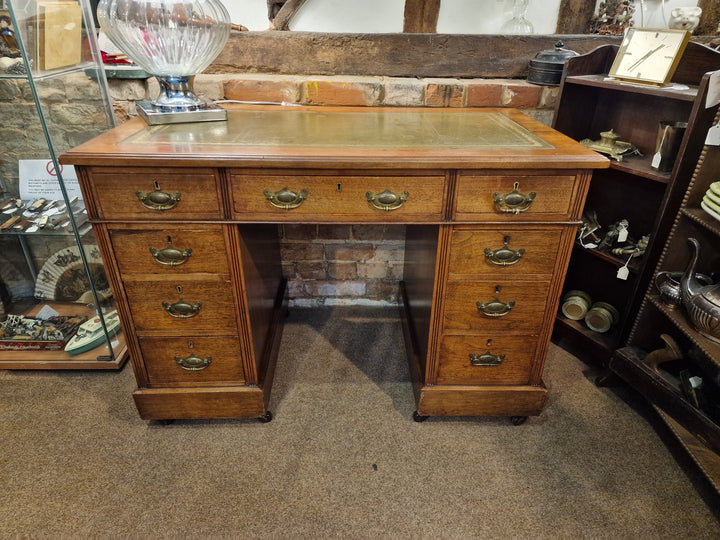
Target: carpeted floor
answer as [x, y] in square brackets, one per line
[341, 458]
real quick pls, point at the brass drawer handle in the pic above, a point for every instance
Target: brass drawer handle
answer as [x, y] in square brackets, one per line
[513, 202]
[193, 363]
[495, 308]
[182, 309]
[158, 199]
[170, 255]
[504, 256]
[286, 199]
[387, 200]
[487, 359]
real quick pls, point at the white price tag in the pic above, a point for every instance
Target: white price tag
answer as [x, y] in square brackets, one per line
[713, 136]
[713, 95]
[623, 273]
[622, 235]
[46, 312]
[656, 160]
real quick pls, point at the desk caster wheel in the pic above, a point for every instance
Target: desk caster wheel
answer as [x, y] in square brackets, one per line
[518, 420]
[417, 417]
[265, 418]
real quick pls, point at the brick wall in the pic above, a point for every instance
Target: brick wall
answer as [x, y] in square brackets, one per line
[337, 264]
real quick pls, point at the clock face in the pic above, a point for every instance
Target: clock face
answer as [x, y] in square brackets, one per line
[649, 55]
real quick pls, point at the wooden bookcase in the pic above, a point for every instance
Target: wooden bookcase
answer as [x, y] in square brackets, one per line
[694, 420]
[591, 103]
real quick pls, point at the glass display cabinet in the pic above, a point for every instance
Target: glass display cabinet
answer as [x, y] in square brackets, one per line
[56, 307]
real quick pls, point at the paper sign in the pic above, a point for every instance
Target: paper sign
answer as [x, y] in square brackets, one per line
[38, 178]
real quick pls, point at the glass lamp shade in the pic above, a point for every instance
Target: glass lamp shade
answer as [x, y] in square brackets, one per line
[170, 39]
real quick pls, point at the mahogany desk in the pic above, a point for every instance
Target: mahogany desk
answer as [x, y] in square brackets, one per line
[186, 218]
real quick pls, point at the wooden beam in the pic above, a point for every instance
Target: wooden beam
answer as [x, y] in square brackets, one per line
[574, 16]
[421, 16]
[286, 13]
[709, 19]
[399, 55]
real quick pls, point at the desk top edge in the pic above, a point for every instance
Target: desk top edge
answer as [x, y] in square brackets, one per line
[556, 151]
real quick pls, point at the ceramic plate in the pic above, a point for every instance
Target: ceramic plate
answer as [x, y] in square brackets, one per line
[715, 188]
[713, 205]
[709, 210]
[714, 197]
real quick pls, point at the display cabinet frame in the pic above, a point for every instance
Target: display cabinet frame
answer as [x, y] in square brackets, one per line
[53, 289]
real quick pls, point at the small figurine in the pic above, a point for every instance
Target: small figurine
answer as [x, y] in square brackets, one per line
[8, 43]
[685, 18]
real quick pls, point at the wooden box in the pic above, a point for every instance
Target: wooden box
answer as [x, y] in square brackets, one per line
[56, 34]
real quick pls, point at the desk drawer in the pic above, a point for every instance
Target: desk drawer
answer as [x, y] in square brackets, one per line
[170, 251]
[337, 198]
[169, 194]
[554, 195]
[206, 360]
[526, 314]
[457, 354]
[196, 305]
[503, 252]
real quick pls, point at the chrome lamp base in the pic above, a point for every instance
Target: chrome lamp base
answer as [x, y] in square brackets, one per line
[177, 104]
[154, 115]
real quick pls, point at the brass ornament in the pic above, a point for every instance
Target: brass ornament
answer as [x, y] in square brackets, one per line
[611, 146]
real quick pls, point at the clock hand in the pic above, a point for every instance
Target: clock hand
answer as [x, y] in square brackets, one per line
[645, 57]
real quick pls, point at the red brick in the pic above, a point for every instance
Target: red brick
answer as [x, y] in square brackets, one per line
[394, 232]
[349, 252]
[372, 270]
[355, 93]
[301, 252]
[522, 94]
[484, 94]
[334, 232]
[311, 270]
[368, 233]
[262, 90]
[444, 95]
[382, 290]
[297, 289]
[336, 288]
[299, 232]
[346, 270]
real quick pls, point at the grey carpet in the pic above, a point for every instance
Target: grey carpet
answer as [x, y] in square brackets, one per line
[341, 458]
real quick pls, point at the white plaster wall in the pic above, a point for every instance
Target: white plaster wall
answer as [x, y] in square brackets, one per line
[377, 16]
[456, 16]
[252, 14]
[372, 16]
[487, 16]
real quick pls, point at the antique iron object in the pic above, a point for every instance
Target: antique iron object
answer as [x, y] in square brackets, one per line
[547, 66]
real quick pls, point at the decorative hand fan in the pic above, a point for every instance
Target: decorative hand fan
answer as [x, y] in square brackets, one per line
[62, 278]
